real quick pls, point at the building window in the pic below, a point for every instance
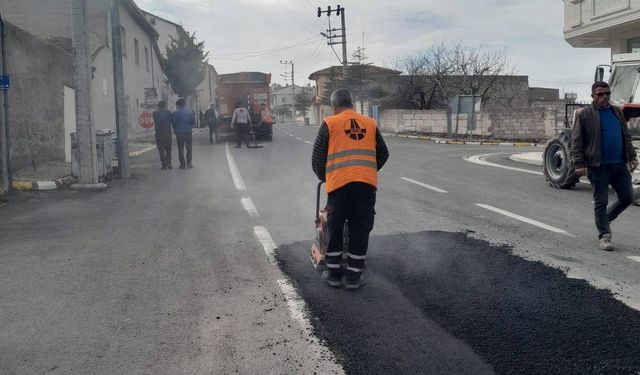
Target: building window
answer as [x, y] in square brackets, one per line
[284, 100]
[633, 45]
[123, 39]
[146, 58]
[136, 51]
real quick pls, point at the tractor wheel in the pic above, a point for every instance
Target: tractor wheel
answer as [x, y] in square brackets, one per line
[557, 164]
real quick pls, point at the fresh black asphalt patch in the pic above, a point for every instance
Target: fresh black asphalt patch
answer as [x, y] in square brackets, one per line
[444, 303]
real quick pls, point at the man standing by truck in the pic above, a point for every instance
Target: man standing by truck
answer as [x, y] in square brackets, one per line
[601, 149]
[241, 120]
[183, 121]
[348, 153]
[211, 119]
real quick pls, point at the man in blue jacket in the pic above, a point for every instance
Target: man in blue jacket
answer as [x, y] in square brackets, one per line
[183, 121]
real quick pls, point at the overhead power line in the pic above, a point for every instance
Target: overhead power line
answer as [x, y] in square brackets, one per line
[266, 51]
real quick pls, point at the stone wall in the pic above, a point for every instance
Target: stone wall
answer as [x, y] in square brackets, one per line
[429, 122]
[39, 72]
[536, 122]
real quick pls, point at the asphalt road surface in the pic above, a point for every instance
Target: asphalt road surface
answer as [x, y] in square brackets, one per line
[476, 266]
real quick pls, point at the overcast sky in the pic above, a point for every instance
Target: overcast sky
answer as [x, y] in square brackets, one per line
[255, 35]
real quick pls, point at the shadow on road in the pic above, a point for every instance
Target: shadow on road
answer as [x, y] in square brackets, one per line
[441, 302]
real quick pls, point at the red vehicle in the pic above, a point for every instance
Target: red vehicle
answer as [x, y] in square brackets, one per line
[252, 90]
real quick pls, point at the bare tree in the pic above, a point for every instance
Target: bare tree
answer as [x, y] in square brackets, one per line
[444, 70]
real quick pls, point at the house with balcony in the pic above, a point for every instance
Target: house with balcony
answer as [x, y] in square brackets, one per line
[613, 24]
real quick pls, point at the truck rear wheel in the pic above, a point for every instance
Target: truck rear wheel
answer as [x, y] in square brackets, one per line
[557, 164]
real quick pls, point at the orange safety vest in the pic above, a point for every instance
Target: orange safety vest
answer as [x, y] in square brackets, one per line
[352, 150]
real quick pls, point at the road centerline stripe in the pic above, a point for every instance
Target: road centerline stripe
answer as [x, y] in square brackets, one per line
[248, 205]
[524, 219]
[233, 168]
[424, 185]
[264, 237]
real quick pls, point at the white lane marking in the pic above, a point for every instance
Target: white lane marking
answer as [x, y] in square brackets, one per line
[233, 168]
[298, 138]
[264, 237]
[637, 259]
[248, 205]
[524, 219]
[424, 185]
[297, 307]
[479, 159]
[309, 143]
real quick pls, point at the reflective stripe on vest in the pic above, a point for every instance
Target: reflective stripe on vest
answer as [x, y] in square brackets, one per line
[352, 163]
[352, 150]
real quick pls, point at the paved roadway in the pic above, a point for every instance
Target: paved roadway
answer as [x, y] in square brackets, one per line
[206, 271]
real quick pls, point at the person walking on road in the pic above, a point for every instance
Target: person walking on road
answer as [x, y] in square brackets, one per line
[162, 119]
[211, 119]
[241, 120]
[183, 121]
[601, 149]
[348, 153]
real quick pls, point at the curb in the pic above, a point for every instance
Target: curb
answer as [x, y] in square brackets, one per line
[60, 183]
[458, 142]
[519, 159]
[133, 154]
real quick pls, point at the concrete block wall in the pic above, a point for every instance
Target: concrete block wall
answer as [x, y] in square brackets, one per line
[518, 123]
[534, 122]
[430, 122]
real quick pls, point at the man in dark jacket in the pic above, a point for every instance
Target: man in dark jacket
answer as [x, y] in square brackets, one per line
[211, 120]
[601, 149]
[183, 121]
[162, 121]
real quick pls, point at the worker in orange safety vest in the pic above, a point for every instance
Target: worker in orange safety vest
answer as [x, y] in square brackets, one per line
[348, 153]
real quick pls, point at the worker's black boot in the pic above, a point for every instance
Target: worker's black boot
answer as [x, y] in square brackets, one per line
[354, 284]
[332, 278]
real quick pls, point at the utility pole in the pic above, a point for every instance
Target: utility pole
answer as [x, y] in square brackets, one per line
[331, 36]
[122, 145]
[86, 136]
[293, 86]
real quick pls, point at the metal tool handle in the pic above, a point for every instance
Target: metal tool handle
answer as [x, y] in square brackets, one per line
[319, 189]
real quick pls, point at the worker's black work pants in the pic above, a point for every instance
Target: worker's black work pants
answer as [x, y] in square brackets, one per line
[242, 134]
[163, 142]
[214, 135]
[354, 202]
[184, 140]
[619, 177]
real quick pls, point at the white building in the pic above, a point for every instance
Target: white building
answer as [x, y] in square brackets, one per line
[611, 24]
[51, 20]
[165, 28]
[283, 100]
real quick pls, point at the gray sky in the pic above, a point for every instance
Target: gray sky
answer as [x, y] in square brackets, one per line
[254, 35]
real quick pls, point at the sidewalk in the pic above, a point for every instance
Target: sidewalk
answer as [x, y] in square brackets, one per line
[533, 158]
[57, 174]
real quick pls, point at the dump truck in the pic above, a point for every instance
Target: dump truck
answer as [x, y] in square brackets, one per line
[624, 80]
[252, 90]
